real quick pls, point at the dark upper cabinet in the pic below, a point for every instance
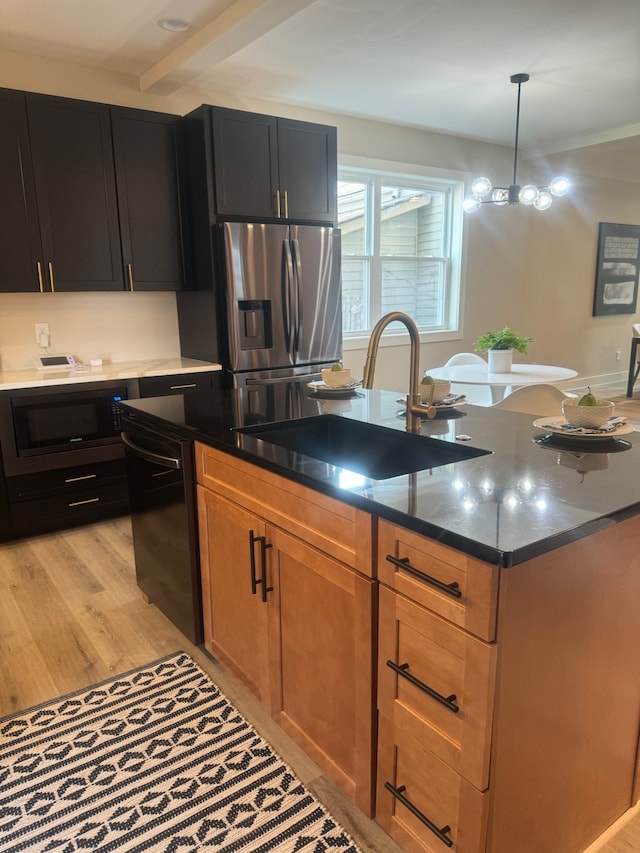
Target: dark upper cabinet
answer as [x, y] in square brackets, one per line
[308, 170]
[270, 168]
[147, 152]
[21, 255]
[76, 194]
[92, 196]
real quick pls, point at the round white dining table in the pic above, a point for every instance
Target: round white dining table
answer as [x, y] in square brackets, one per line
[503, 383]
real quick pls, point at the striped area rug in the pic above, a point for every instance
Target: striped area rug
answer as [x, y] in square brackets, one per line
[156, 759]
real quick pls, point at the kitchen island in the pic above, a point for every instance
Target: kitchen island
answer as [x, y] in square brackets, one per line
[526, 735]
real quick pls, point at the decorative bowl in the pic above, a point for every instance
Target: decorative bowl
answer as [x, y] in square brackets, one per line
[590, 417]
[336, 378]
[441, 388]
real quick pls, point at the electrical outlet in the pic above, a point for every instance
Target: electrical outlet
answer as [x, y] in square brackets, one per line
[42, 334]
[618, 354]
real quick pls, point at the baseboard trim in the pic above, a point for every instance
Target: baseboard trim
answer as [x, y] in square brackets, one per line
[596, 379]
[614, 829]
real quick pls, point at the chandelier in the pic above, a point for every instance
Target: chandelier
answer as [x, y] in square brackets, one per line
[483, 191]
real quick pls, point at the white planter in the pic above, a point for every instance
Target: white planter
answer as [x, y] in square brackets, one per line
[500, 360]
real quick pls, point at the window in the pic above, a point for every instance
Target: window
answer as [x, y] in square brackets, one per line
[401, 246]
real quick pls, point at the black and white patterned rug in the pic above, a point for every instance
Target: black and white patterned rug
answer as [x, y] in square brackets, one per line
[156, 759]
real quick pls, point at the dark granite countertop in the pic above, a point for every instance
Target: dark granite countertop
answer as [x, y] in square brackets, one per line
[529, 495]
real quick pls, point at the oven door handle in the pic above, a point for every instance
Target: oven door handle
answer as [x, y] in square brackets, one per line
[150, 456]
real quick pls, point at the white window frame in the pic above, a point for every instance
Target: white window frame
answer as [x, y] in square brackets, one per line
[385, 172]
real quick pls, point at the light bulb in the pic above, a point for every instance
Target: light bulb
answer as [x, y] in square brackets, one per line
[470, 203]
[500, 195]
[560, 186]
[481, 187]
[544, 200]
[528, 194]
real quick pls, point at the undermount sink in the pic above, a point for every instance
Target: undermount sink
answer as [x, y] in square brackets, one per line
[374, 451]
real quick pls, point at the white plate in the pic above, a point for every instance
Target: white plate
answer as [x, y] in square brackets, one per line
[454, 405]
[554, 425]
[339, 391]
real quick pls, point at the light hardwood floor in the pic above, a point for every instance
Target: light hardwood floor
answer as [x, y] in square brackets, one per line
[71, 615]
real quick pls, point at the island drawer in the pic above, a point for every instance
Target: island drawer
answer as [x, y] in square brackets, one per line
[436, 682]
[421, 802]
[454, 585]
[340, 530]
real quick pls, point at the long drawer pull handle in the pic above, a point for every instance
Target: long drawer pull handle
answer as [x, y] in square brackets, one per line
[447, 701]
[82, 503]
[252, 559]
[187, 385]
[404, 564]
[255, 580]
[441, 833]
[77, 479]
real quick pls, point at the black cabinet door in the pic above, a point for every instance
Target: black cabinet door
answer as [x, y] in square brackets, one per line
[308, 170]
[273, 168]
[75, 186]
[21, 255]
[149, 179]
[245, 163]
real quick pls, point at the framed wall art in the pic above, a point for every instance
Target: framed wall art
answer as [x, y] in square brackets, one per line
[616, 289]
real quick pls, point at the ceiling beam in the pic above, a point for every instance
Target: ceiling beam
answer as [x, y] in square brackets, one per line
[243, 22]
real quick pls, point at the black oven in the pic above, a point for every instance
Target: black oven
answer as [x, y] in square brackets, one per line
[43, 429]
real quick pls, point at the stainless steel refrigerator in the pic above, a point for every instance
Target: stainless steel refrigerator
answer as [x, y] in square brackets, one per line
[282, 311]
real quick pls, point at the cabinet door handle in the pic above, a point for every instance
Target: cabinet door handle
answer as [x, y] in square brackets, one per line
[403, 670]
[255, 580]
[40, 280]
[51, 279]
[277, 204]
[286, 204]
[130, 277]
[82, 503]
[452, 589]
[398, 793]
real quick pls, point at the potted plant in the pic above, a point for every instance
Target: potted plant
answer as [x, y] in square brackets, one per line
[499, 347]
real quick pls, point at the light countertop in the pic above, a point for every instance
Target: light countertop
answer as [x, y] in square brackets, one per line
[31, 377]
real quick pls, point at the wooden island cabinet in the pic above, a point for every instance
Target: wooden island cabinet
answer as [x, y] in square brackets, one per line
[518, 728]
[497, 709]
[288, 603]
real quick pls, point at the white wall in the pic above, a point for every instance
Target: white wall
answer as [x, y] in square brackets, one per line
[534, 271]
[112, 326]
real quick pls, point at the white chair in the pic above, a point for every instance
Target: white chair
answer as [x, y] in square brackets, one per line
[464, 358]
[480, 395]
[534, 400]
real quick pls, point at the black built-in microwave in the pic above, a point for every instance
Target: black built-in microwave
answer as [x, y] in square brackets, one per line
[44, 428]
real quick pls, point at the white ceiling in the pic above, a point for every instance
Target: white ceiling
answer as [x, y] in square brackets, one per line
[437, 64]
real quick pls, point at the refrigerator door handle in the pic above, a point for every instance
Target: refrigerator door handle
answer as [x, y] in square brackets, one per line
[290, 324]
[297, 290]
